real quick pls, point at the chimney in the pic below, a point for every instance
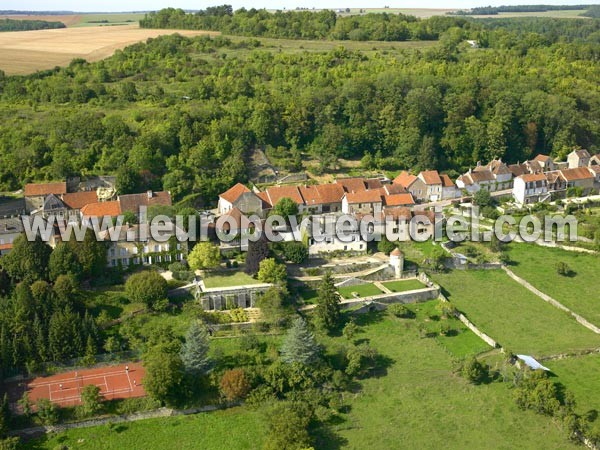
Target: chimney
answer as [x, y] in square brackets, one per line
[149, 193]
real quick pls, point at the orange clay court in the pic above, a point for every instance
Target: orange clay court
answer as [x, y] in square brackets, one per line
[115, 382]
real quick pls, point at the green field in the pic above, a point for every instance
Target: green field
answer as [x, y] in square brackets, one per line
[579, 292]
[417, 398]
[363, 290]
[565, 14]
[226, 278]
[403, 285]
[94, 20]
[237, 428]
[516, 318]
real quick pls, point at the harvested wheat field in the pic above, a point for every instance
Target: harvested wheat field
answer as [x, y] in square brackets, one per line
[67, 19]
[23, 52]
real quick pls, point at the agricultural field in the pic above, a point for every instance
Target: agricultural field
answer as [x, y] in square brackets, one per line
[23, 52]
[513, 316]
[576, 290]
[565, 14]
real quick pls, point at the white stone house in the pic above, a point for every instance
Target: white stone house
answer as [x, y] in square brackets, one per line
[530, 188]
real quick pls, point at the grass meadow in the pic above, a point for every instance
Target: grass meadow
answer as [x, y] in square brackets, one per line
[513, 316]
[577, 291]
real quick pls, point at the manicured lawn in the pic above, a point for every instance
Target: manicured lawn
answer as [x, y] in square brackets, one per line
[403, 285]
[579, 291]
[309, 295]
[419, 402]
[363, 290]
[512, 315]
[236, 428]
[225, 278]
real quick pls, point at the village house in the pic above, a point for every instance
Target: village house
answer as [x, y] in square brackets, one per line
[580, 177]
[100, 210]
[365, 202]
[231, 228]
[135, 245]
[75, 201]
[530, 188]
[433, 185]
[449, 190]
[474, 181]
[545, 162]
[413, 184]
[594, 160]
[326, 240]
[242, 198]
[36, 193]
[578, 158]
[595, 170]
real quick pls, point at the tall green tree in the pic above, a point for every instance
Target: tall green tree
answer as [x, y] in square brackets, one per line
[28, 260]
[194, 352]
[328, 313]
[299, 344]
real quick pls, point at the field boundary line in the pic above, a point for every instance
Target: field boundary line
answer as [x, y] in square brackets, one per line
[581, 320]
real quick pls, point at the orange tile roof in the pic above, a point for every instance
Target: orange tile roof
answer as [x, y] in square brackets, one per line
[264, 197]
[352, 184]
[391, 189]
[6, 246]
[398, 213]
[311, 195]
[529, 177]
[232, 194]
[579, 173]
[399, 200]
[541, 158]
[373, 183]
[78, 200]
[405, 179]
[330, 193]
[42, 189]
[373, 196]
[276, 193]
[446, 181]
[102, 209]
[430, 177]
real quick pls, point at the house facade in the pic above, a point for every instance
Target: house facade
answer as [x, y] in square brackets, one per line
[530, 188]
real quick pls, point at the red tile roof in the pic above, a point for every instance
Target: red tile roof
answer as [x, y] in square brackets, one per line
[102, 209]
[232, 194]
[446, 181]
[529, 177]
[78, 200]
[6, 246]
[132, 202]
[264, 197]
[276, 193]
[579, 173]
[330, 193]
[391, 189]
[373, 183]
[311, 195]
[405, 179]
[352, 184]
[430, 177]
[543, 158]
[364, 197]
[399, 200]
[398, 213]
[43, 189]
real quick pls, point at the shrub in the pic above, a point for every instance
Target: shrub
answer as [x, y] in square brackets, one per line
[563, 269]
[400, 310]
[536, 392]
[474, 371]
[295, 252]
[385, 246]
[148, 288]
[47, 411]
[238, 315]
[235, 384]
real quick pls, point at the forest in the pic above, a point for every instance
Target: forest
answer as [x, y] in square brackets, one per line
[28, 25]
[305, 24]
[185, 114]
[493, 10]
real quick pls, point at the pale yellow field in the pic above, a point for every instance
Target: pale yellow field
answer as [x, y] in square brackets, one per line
[23, 52]
[68, 20]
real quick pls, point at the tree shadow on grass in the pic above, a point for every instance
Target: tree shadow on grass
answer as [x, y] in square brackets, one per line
[327, 439]
[370, 318]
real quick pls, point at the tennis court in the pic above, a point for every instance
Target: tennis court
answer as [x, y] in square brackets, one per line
[115, 382]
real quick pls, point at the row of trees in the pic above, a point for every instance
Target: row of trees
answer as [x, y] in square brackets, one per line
[28, 25]
[324, 24]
